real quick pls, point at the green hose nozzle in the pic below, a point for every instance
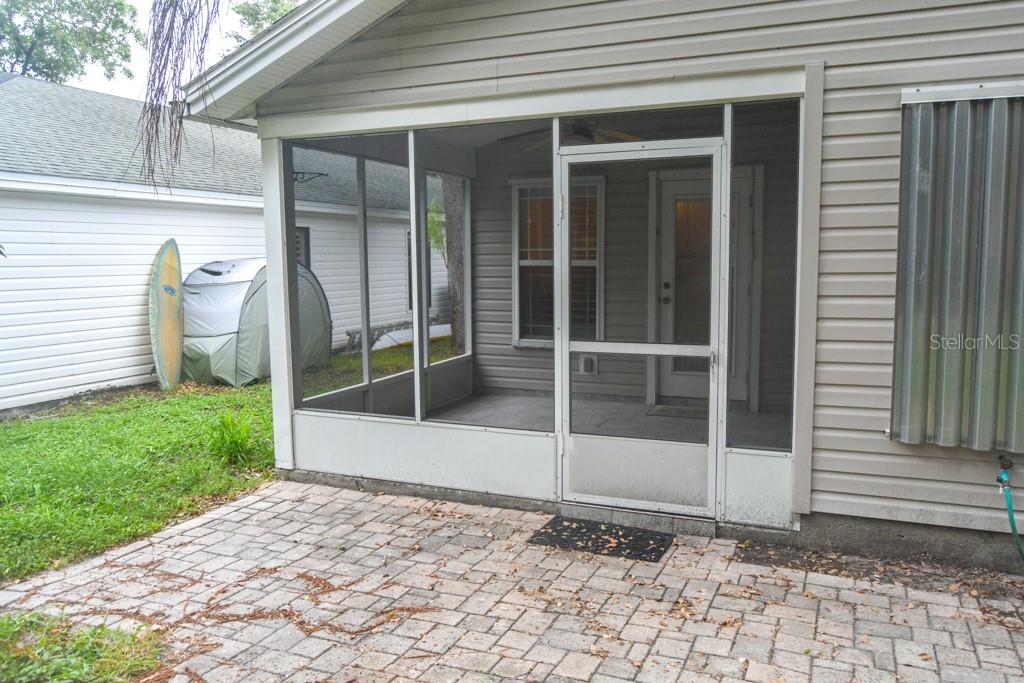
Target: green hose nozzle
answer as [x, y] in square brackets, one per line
[1003, 479]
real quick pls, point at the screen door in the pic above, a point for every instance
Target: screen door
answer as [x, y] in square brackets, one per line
[632, 439]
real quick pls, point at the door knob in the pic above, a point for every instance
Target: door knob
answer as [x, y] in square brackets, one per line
[665, 299]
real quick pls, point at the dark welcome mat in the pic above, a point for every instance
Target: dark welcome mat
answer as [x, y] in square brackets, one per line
[603, 538]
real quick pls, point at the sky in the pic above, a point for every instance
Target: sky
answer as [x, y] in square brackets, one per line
[135, 87]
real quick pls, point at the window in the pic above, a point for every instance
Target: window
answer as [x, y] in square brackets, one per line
[958, 370]
[302, 245]
[534, 261]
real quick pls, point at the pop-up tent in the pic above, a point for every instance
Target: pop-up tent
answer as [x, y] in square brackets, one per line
[226, 330]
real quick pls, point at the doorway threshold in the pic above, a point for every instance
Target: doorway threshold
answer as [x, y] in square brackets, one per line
[654, 521]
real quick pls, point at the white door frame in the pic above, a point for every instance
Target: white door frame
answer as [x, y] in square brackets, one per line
[754, 175]
[716, 148]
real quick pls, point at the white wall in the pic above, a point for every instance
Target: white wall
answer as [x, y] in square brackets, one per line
[74, 285]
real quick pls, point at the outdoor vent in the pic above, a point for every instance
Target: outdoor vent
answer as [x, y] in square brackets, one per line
[959, 372]
[587, 364]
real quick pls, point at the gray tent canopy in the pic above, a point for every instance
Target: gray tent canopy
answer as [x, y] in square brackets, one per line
[226, 329]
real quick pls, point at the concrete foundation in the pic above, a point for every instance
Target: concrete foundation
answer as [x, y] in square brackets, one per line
[888, 539]
[403, 489]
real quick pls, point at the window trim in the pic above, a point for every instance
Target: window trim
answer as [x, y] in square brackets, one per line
[518, 184]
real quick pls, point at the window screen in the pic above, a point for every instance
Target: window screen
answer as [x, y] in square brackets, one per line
[958, 376]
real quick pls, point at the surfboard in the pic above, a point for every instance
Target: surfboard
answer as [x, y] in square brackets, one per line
[166, 314]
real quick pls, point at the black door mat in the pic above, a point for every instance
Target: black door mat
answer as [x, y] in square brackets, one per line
[603, 538]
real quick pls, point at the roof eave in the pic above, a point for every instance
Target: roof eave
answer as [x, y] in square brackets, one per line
[229, 89]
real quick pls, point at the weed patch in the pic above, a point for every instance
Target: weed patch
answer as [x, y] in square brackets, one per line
[38, 648]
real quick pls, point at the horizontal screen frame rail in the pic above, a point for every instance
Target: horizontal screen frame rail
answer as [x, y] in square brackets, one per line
[642, 349]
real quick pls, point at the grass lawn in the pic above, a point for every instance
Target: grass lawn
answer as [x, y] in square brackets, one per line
[346, 369]
[121, 465]
[101, 472]
[35, 648]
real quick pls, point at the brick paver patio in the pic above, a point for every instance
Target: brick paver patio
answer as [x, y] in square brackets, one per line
[309, 583]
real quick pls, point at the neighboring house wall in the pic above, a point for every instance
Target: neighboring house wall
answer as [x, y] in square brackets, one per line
[74, 314]
[871, 49]
[74, 311]
[335, 262]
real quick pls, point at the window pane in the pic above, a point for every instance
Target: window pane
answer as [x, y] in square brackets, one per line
[583, 222]
[536, 302]
[610, 396]
[583, 282]
[536, 237]
[762, 274]
[690, 269]
[631, 126]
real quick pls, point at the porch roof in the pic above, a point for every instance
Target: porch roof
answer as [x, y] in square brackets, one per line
[229, 89]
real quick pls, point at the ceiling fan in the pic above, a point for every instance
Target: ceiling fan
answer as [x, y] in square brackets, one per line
[574, 134]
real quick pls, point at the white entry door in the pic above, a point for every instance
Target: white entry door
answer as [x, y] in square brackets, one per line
[684, 279]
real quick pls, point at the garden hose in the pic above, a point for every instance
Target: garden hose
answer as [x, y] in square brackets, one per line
[1004, 485]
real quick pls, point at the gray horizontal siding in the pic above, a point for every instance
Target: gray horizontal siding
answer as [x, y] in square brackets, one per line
[438, 50]
[494, 51]
[499, 365]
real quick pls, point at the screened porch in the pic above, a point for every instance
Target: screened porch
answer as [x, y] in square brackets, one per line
[638, 265]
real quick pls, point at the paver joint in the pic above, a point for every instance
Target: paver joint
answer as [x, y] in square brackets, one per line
[300, 582]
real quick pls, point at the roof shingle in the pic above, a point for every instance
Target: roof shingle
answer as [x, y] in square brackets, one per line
[58, 130]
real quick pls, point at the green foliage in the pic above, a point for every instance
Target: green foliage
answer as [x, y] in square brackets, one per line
[56, 40]
[257, 15]
[102, 473]
[235, 444]
[37, 648]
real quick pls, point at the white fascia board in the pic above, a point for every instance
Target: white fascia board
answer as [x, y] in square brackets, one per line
[689, 91]
[962, 91]
[229, 89]
[83, 187]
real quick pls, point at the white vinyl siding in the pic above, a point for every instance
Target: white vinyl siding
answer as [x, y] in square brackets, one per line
[436, 50]
[74, 304]
[74, 311]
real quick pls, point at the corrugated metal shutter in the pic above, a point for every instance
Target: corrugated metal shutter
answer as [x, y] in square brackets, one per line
[958, 375]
